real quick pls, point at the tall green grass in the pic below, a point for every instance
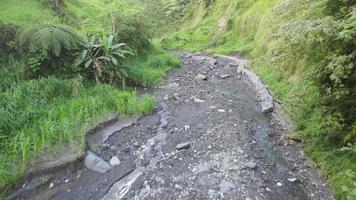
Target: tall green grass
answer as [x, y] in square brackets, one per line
[148, 70]
[49, 115]
[26, 12]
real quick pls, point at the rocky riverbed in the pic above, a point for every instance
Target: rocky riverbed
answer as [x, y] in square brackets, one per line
[213, 136]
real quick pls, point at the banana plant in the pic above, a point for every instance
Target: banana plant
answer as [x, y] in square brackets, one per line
[103, 55]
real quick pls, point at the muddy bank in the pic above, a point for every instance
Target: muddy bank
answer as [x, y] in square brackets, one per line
[210, 138]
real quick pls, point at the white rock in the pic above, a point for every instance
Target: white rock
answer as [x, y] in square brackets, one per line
[292, 180]
[279, 184]
[51, 185]
[221, 111]
[201, 77]
[199, 100]
[250, 164]
[114, 161]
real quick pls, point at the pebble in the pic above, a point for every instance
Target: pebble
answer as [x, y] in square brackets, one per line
[66, 181]
[292, 180]
[136, 144]
[221, 111]
[212, 107]
[201, 77]
[250, 164]
[181, 146]
[224, 76]
[51, 185]
[199, 100]
[279, 184]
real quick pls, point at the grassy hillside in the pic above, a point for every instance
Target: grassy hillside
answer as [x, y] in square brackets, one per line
[303, 49]
[23, 13]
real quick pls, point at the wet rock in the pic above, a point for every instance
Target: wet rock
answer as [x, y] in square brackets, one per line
[114, 161]
[250, 165]
[95, 163]
[182, 146]
[201, 77]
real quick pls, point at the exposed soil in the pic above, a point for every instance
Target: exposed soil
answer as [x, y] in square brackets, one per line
[227, 147]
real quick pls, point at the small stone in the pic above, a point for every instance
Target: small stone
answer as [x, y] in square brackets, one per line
[199, 100]
[250, 164]
[292, 180]
[136, 144]
[201, 77]
[279, 184]
[186, 127]
[221, 111]
[68, 190]
[114, 161]
[212, 107]
[66, 181]
[51, 185]
[224, 76]
[182, 146]
[210, 147]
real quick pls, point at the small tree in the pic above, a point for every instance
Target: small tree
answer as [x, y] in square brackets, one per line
[102, 56]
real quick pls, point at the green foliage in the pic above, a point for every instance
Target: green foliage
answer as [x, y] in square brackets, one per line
[102, 56]
[43, 117]
[149, 69]
[51, 38]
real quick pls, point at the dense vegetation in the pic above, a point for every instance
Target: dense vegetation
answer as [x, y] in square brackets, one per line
[65, 64]
[305, 50]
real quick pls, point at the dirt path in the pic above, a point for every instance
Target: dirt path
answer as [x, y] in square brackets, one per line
[208, 139]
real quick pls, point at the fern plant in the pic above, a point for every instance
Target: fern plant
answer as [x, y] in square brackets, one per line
[51, 38]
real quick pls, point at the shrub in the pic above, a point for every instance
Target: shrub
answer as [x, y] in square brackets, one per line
[7, 35]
